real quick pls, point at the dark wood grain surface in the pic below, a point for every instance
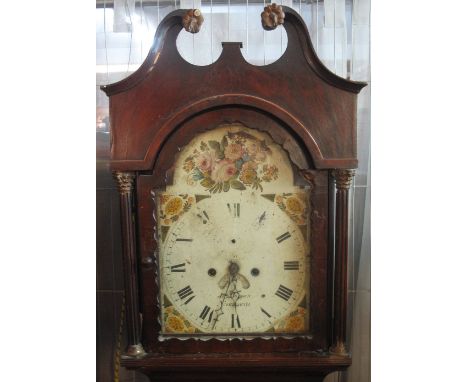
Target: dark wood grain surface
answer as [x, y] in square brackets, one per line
[297, 89]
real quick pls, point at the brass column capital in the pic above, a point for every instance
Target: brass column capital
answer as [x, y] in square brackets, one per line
[134, 351]
[343, 178]
[125, 181]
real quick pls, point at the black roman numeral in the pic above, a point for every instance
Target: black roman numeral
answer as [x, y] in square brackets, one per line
[291, 265]
[204, 219]
[235, 320]
[284, 292]
[185, 292]
[262, 217]
[283, 237]
[178, 268]
[266, 313]
[234, 210]
[180, 239]
[205, 312]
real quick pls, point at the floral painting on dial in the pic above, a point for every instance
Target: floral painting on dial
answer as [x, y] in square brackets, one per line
[295, 205]
[293, 323]
[172, 207]
[174, 322]
[238, 161]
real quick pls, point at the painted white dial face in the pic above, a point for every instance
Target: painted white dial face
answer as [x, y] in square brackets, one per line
[234, 263]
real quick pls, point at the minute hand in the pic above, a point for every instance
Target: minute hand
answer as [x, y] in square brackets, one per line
[219, 311]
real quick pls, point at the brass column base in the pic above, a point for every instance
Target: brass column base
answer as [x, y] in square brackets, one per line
[134, 351]
[339, 349]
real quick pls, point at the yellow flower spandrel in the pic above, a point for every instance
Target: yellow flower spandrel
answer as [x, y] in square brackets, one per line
[295, 324]
[174, 324]
[294, 205]
[174, 206]
[163, 198]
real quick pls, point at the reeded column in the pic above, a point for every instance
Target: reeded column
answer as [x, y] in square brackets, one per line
[343, 180]
[125, 181]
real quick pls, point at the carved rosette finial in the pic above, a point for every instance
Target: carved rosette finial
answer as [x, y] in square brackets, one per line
[272, 16]
[192, 20]
[125, 181]
[343, 178]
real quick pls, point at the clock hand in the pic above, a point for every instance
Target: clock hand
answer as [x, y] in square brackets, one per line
[219, 311]
[229, 277]
[224, 280]
[245, 283]
[235, 297]
[233, 268]
[235, 293]
[234, 271]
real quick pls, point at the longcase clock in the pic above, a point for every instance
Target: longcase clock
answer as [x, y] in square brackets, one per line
[234, 184]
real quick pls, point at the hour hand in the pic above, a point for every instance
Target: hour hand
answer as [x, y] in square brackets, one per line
[244, 282]
[224, 281]
[232, 272]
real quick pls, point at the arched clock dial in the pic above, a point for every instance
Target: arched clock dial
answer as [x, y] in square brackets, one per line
[234, 263]
[234, 253]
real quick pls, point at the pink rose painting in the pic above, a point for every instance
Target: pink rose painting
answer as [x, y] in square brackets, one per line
[205, 161]
[232, 162]
[223, 171]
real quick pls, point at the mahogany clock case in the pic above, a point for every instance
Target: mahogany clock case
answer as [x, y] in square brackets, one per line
[310, 113]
